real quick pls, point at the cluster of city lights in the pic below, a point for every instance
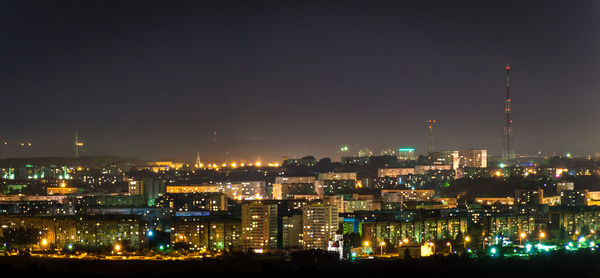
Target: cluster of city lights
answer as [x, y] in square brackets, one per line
[233, 165]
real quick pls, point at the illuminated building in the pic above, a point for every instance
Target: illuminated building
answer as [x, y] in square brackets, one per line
[472, 158]
[424, 169]
[206, 234]
[90, 232]
[259, 227]
[403, 195]
[333, 183]
[413, 231]
[194, 189]
[149, 188]
[161, 166]
[406, 153]
[291, 231]
[529, 197]
[551, 200]
[395, 172]
[337, 176]
[335, 200]
[563, 185]
[495, 200]
[573, 198]
[308, 161]
[62, 190]
[287, 187]
[358, 205]
[319, 222]
[593, 198]
[193, 201]
[356, 160]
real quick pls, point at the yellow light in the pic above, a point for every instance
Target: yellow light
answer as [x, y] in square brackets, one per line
[542, 235]
[523, 235]
[258, 164]
[405, 240]
[366, 243]
[63, 184]
[234, 165]
[382, 243]
[117, 247]
[467, 239]
[44, 242]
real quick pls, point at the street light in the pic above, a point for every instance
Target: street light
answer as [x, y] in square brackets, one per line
[521, 237]
[542, 235]
[381, 245]
[449, 245]
[117, 247]
[467, 239]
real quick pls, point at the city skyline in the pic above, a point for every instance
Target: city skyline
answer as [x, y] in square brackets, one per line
[277, 80]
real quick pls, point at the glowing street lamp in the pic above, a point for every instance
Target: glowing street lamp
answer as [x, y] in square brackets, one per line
[44, 242]
[381, 245]
[542, 236]
[117, 247]
[522, 237]
[449, 245]
[467, 239]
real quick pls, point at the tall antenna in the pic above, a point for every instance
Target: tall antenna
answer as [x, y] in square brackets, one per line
[508, 152]
[77, 144]
[430, 124]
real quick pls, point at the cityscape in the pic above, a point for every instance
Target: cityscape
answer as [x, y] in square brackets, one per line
[300, 138]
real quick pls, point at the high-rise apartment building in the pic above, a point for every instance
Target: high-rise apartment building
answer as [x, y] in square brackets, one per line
[320, 223]
[259, 227]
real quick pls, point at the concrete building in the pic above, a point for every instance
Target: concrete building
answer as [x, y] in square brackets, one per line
[394, 172]
[403, 195]
[291, 231]
[320, 223]
[337, 176]
[259, 227]
[150, 188]
[288, 187]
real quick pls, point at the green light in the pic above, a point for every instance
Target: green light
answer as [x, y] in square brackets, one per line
[493, 250]
[502, 165]
[161, 248]
[70, 246]
[406, 149]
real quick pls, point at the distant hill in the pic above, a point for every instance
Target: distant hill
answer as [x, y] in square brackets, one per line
[84, 161]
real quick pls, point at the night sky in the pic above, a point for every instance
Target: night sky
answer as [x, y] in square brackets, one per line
[153, 80]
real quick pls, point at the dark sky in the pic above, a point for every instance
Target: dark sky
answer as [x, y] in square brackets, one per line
[291, 78]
